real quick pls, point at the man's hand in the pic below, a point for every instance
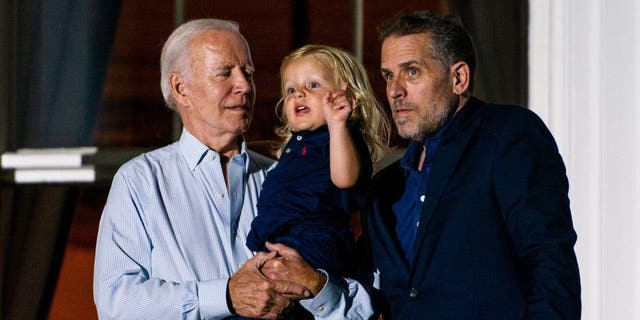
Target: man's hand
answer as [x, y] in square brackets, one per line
[255, 296]
[290, 266]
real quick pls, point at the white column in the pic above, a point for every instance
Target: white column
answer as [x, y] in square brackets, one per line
[584, 61]
[621, 105]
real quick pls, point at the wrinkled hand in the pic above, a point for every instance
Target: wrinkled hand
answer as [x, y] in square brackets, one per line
[289, 265]
[255, 296]
[336, 106]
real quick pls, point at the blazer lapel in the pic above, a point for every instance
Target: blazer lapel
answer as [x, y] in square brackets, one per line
[386, 237]
[382, 220]
[452, 146]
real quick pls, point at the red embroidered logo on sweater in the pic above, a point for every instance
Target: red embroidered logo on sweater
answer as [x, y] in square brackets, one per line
[304, 150]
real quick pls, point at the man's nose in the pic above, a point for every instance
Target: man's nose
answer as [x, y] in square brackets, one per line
[242, 82]
[395, 89]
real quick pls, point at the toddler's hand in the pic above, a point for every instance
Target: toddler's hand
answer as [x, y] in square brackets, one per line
[336, 106]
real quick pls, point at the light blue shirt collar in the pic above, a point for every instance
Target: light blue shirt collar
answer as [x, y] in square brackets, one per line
[194, 151]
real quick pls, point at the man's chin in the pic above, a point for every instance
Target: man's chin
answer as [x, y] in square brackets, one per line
[409, 133]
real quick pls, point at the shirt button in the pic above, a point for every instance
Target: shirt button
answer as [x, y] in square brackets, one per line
[320, 308]
[288, 150]
[413, 293]
[298, 138]
[422, 197]
[220, 195]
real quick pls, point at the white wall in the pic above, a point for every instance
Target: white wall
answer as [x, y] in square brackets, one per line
[584, 81]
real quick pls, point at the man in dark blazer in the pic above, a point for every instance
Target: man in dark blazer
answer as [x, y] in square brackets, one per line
[473, 222]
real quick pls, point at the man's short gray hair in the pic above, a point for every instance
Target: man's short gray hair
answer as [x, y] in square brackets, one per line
[175, 52]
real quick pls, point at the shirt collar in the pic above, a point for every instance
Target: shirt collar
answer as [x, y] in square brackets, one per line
[308, 133]
[411, 157]
[194, 151]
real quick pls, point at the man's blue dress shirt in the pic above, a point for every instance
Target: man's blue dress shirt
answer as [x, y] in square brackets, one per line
[171, 235]
[409, 207]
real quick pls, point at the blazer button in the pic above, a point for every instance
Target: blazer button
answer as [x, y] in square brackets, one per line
[413, 293]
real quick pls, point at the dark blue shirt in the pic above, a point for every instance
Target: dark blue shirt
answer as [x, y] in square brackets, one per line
[409, 207]
[300, 206]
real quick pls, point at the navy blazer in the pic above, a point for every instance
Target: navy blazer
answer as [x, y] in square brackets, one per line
[495, 238]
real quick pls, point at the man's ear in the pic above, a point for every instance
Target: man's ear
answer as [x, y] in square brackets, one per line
[460, 77]
[177, 86]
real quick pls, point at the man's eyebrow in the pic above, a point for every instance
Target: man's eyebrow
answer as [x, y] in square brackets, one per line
[223, 67]
[402, 66]
[407, 64]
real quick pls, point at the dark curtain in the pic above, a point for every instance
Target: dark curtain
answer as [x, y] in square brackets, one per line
[499, 31]
[65, 45]
[62, 49]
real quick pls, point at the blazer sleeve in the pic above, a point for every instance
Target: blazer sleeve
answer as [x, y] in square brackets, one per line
[531, 188]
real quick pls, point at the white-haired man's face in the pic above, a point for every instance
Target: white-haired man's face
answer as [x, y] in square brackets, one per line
[216, 98]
